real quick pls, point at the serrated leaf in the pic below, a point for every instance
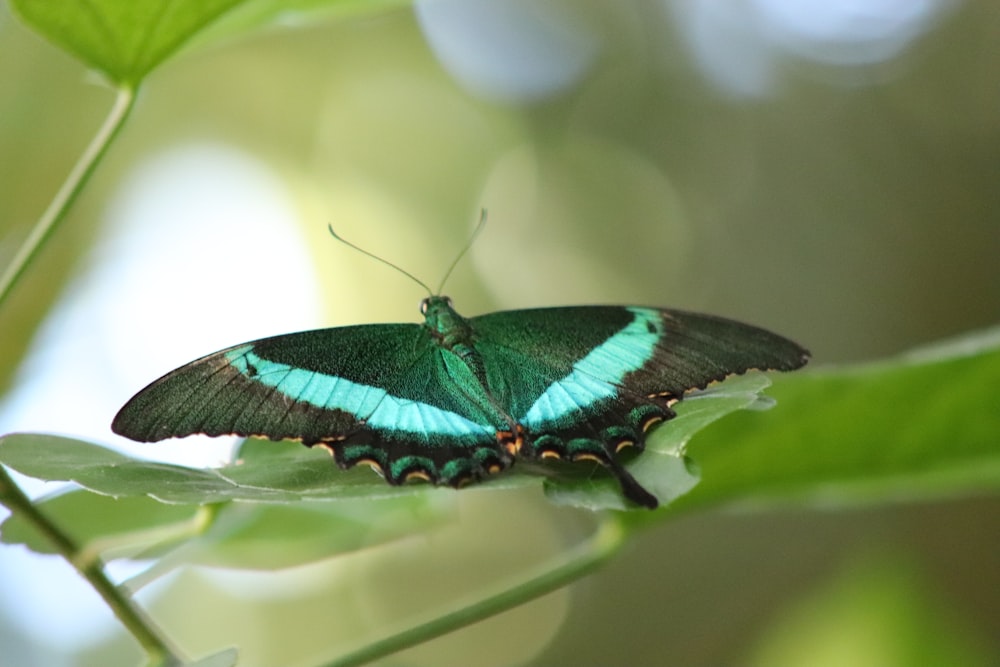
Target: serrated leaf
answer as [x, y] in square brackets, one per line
[124, 40]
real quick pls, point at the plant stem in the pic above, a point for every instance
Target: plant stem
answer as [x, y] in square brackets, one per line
[67, 194]
[157, 648]
[569, 567]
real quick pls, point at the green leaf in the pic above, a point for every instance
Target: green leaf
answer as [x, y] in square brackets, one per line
[124, 40]
[300, 473]
[921, 425]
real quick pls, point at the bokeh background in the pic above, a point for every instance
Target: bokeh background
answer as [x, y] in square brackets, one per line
[827, 169]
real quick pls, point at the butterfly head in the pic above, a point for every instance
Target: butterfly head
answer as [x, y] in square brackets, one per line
[444, 323]
[434, 304]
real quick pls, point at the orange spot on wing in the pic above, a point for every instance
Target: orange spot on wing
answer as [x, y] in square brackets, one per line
[623, 444]
[511, 441]
[651, 422]
[418, 474]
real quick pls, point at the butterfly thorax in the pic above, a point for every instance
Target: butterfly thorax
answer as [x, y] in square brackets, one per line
[454, 333]
[449, 329]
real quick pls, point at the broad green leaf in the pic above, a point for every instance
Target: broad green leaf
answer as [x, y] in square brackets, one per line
[921, 425]
[298, 474]
[124, 40]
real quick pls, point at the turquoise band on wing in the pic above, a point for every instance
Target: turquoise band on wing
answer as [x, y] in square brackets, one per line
[598, 375]
[372, 405]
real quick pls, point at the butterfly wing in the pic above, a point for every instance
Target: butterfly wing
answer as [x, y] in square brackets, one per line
[585, 382]
[379, 394]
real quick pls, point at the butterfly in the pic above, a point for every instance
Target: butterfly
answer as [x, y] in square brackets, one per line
[455, 400]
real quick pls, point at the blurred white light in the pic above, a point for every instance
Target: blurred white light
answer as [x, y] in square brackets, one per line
[847, 32]
[201, 250]
[737, 43]
[726, 43]
[516, 50]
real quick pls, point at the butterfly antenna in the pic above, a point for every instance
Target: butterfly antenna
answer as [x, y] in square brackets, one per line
[379, 259]
[468, 245]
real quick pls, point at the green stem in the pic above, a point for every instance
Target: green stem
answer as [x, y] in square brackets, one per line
[67, 194]
[157, 648]
[582, 560]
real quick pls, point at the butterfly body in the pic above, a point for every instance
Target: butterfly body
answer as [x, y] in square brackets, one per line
[454, 400]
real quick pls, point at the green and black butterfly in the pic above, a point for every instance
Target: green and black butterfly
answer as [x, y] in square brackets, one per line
[456, 399]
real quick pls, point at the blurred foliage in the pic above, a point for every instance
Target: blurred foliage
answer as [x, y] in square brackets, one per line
[878, 612]
[864, 212]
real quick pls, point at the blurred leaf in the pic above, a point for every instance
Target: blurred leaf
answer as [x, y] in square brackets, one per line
[921, 425]
[87, 517]
[226, 658]
[240, 535]
[269, 536]
[255, 14]
[876, 614]
[124, 40]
